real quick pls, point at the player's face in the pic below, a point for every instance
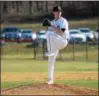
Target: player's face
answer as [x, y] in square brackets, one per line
[57, 14]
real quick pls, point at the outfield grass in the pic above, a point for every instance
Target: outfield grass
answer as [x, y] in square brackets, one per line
[12, 84]
[22, 66]
[83, 83]
[41, 66]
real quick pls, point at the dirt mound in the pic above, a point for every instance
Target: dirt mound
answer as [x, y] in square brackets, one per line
[44, 89]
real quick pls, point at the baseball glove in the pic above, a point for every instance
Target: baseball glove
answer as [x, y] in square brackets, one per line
[46, 22]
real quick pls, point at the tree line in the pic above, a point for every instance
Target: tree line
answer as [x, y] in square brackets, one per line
[35, 9]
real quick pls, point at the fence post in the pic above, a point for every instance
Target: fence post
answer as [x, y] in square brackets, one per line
[73, 50]
[86, 49]
[60, 55]
[34, 46]
[44, 49]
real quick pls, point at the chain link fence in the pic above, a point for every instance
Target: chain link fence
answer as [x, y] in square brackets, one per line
[85, 52]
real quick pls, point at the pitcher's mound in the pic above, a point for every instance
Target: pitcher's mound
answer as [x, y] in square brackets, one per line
[44, 89]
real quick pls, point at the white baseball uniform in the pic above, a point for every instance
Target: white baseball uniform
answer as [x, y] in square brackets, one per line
[56, 42]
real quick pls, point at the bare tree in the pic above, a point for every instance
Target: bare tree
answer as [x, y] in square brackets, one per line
[4, 5]
[42, 3]
[1, 10]
[17, 6]
[46, 6]
[26, 7]
[30, 8]
[61, 3]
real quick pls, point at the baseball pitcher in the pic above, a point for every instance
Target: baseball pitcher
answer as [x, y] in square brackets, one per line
[57, 38]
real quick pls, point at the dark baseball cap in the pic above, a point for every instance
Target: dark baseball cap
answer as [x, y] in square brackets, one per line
[57, 9]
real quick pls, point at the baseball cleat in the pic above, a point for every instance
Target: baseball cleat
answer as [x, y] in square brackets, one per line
[49, 54]
[49, 82]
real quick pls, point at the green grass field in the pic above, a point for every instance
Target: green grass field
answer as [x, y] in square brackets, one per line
[41, 66]
[17, 67]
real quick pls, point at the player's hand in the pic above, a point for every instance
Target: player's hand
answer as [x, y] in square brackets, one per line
[46, 22]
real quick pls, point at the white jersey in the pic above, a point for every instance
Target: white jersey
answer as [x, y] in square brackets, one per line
[61, 23]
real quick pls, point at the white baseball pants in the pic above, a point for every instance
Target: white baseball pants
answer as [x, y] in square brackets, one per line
[54, 44]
